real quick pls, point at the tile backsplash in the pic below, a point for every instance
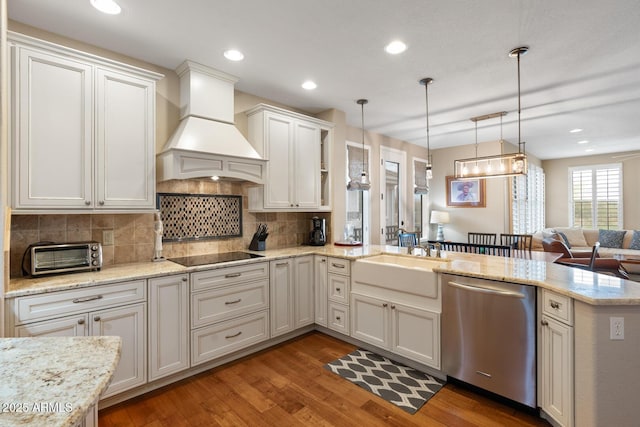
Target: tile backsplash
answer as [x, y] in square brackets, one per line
[133, 236]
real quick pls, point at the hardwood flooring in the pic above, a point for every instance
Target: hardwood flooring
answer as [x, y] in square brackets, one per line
[287, 386]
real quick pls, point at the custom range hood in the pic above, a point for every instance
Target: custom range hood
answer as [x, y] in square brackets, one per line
[206, 142]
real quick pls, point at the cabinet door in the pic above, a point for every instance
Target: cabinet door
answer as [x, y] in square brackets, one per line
[303, 291]
[72, 326]
[320, 287]
[306, 166]
[52, 131]
[125, 141]
[277, 188]
[281, 297]
[415, 333]
[370, 320]
[129, 323]
[557, 370]
[168, 325]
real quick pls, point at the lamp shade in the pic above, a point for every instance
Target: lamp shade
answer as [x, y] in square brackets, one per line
[439, 217]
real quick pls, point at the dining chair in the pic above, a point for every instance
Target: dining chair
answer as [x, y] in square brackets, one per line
[517, 241]
[482, 238]
[407, 239]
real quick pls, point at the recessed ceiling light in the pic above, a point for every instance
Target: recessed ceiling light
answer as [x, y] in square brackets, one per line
[309, 85]
[584, 141]
[106, 6]
[576, 130]
[233, 55]
[588, 150]
[395, 47]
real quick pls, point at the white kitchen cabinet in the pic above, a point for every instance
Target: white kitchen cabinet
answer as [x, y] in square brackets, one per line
[338, 278]
[82, 130]
[292, 294]
[405, 330]
[229, 310]
[168, 325]
[130, 324]
[117, 309]
[320, 286]
[556, 361]
[297, 150]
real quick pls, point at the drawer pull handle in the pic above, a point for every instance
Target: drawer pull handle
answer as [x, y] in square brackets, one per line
[281, 263]
[554, 304]
[233, 302]
[337, 265]
[234, 335]
[230, 275]
[96, 319]
[87, 299]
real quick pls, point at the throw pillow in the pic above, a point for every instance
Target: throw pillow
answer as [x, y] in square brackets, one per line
[611, 238]
[574, 235]
[564, 238]
[635, 241]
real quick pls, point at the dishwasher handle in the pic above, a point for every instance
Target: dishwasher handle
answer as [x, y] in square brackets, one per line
[487, 290]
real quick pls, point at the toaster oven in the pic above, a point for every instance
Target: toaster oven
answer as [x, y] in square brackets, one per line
[51, 258]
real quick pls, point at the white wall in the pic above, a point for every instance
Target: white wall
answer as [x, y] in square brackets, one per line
[4, 159]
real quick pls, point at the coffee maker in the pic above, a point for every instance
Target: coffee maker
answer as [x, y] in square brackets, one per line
[318, 236]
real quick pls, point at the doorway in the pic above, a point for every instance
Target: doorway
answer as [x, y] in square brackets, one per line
[391, 187]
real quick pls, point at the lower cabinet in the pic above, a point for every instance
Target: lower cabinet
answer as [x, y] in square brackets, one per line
[126, 321]
[291, 294]
[320, 287]
[229, 310]
[168, 325]
[409, 331]
[338, 286]
[556, 358]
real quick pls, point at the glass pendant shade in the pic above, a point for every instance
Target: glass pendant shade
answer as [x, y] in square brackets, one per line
[363, 183]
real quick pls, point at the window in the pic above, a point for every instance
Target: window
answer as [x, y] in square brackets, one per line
[527, 208]
[595, 196]
[358, 202]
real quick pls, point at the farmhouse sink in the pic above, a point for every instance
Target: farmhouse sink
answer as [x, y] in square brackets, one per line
[409, 274]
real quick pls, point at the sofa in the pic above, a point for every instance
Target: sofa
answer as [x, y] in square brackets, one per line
[581, 240]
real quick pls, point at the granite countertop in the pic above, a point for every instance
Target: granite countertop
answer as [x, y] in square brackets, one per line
[59, 389]
[533, 268]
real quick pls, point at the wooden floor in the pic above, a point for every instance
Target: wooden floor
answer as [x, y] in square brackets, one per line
[288, 386]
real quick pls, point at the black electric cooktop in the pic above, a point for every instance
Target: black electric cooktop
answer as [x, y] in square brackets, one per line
[192, 261]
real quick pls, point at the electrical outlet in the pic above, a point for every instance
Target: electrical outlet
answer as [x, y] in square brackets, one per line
[616, 328]
[107, 238]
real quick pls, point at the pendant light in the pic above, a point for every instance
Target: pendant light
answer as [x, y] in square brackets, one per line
[511, 164]
[362, 184]
[426, 82]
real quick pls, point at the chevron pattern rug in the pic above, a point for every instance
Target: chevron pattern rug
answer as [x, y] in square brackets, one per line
[405, 387]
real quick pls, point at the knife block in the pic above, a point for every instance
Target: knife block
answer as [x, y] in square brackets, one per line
[257, 245]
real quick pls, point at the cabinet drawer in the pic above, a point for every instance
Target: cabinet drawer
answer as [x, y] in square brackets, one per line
[226, 337]
[338, 288]
[54, 304]
[338, 318]
[221, 304]
[339, 266]
[559, 307]
[202, 280]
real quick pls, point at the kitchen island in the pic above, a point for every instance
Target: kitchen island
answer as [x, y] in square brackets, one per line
[54, 381]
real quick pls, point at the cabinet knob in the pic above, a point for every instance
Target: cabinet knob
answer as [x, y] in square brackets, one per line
[87, 202]
[393, 307]
[554, 304]
[184, 279]
[96, 318]
[80, 321]
[385, 304]
[337, 289]
[544, 322]
[101, 202]
[337, 317]
[297, 205]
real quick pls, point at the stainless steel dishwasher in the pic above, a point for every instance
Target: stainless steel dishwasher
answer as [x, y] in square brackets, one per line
[489, 336]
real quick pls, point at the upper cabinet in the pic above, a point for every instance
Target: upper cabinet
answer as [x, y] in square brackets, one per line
[297, 150]
[82, 131]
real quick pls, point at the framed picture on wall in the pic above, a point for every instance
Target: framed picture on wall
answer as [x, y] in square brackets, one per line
[466, 193]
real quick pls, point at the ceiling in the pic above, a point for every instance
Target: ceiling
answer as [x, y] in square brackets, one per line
[582, 69]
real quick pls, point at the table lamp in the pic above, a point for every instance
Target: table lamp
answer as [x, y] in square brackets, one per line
[440, 218]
